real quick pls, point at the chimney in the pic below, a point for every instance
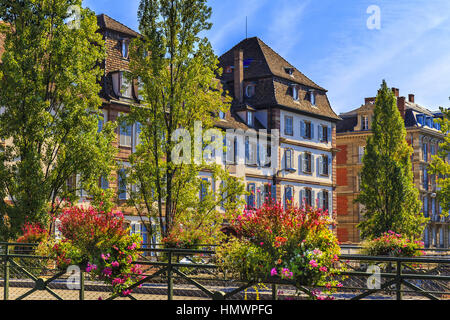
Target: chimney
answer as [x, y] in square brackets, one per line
[396, 92]
[239, 75]
[411, 98]
[401, 104]
[369, 100]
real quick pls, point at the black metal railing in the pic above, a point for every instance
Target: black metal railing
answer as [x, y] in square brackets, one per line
[192, 273]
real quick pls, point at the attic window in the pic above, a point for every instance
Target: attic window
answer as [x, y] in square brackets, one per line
[295, 92]
[289, 71]
[311, 97]
[249, 90]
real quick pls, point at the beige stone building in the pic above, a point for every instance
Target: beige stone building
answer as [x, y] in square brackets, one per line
[423, 135]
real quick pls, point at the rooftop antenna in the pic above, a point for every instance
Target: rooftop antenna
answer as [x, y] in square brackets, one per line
[246, 28]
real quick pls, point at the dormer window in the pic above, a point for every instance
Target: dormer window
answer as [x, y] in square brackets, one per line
[289, 71]
[295, 92]
[312, 97]
[221, 115]
[124, 48]
[364, 123]
[250, 90]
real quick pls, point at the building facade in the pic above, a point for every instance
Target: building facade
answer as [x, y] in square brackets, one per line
[423, 134]
[272, 95]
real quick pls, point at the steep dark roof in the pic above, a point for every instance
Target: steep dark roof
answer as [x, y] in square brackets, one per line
[268, 69]
[263, 62]
[105, 22]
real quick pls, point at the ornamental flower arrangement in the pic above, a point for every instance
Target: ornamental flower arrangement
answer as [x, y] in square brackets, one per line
[98, 242]
[393, 244]
[276, 242]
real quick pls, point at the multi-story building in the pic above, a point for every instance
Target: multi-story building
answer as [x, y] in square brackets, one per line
[271, 94]
[423, 134]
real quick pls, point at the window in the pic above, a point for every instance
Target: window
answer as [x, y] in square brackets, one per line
[288, 154]
[221, 115]
[288, 126]
[102, 119]
[364, 123]
[307, 196]
[425, 206]
[126, 89]
[125, 133]
[425, 178]
[104, 183]
[137, 134]
[425, 152]
[250, 90]
[81, 193]
[307, 162]
[231, 149]
[324, 200]
[361, 151]
[311, 97]
[295, 92]
[204, 188]
[124, 48]
[251, 189]
[307, 130]
[324, 164]
[122, 184]
[288, 199]
[250, 151]
[324, 133]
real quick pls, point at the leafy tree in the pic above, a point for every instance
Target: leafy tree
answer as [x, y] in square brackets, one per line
[388, 193]
[440, 164]
[177, 71]
[49, 84]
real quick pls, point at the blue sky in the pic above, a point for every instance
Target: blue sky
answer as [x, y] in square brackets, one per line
[330, 42]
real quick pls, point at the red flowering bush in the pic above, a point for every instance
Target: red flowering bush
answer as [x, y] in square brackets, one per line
[393, 244]
[32, 233]
[98, 242]
[288, 243]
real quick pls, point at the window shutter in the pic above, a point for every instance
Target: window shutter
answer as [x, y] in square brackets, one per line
[300, 166]
[312, 131]
[313, 198]
[302, 128]
[312, 163]
[320, 165]
[302, 197]
[273, 192]
[104, 183]
[330, 203]
[329, 134]
[320, 199]
[320, 132]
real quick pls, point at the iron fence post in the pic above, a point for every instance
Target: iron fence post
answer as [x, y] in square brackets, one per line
[6, 274]
[274, 292]
[398, 285]
[81, 285]
[169, 278]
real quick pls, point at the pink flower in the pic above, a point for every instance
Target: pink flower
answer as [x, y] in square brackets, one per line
[115, 264]
[273, 272]
[323, 269]
[313, 263]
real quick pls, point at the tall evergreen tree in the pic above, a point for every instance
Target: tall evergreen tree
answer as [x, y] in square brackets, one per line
[177, 70]
[440, 165]
[390, 198]
[49, 84]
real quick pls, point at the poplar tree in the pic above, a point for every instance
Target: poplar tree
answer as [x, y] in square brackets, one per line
[177, 71]
[440, 165]
[390, 198]
[49, 98]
